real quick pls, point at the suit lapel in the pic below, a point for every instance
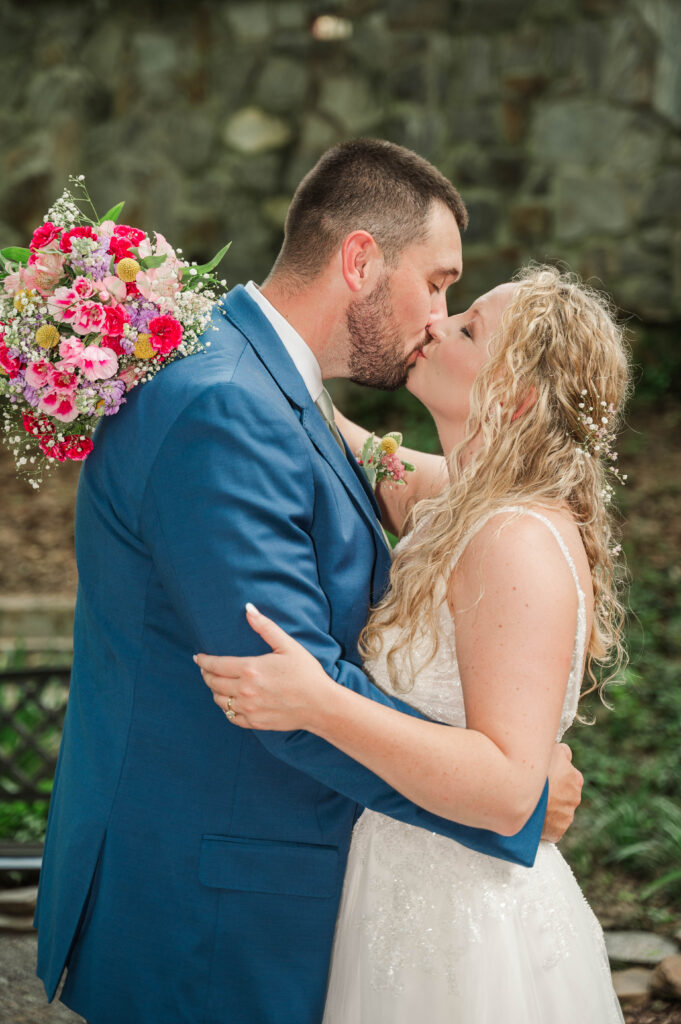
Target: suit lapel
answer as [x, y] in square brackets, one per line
[240, 310]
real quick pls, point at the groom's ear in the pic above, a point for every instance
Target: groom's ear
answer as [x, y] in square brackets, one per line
[361, 261]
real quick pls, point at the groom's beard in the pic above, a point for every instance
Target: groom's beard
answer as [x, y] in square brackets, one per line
[375, 357]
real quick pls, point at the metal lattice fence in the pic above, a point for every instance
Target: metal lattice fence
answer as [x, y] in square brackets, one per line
[32, 708]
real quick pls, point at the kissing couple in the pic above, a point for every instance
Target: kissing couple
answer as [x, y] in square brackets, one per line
[366, 835]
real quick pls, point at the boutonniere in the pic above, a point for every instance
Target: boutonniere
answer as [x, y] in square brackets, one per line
[379, 460]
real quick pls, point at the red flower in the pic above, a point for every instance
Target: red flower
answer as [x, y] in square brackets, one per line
[133, 235]
[53, 450]
[77, 447]
[165, 334]
[8, 362]
[119, 248]
[131, 288]
[84, 232]
[44, 235]
[39, 426]
[116, 319]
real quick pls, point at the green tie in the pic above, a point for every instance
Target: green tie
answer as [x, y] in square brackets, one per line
[325, 406]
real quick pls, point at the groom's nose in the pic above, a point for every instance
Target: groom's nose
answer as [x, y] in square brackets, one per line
[438, 308]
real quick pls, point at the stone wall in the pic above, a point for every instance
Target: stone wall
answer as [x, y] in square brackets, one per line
[558, 119]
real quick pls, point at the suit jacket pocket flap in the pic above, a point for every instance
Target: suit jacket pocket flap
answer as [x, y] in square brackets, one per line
[269, 866]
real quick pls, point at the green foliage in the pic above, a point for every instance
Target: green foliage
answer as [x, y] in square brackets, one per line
[657, 361]
[24, 822]
[113, 214]
[630, 819]
[20, 820]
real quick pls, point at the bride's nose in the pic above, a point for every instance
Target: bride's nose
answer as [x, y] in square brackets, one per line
[438, 331]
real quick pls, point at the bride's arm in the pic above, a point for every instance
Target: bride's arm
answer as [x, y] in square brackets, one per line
[428, 479]
[515, 610]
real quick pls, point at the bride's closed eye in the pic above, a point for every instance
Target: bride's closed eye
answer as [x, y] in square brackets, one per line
[464, 330]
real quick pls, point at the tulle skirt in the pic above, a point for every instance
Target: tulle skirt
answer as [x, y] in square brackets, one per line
[432, 933]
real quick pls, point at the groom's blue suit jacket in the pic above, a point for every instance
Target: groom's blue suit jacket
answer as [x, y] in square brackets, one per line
[192, 870]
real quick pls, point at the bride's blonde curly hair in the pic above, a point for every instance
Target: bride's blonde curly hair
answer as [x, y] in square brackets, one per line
[558, 339]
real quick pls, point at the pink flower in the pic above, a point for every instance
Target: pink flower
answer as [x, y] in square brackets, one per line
[71, 350]
[112, 289]
[45, 235]
[98, 363]
[106, 228]
[394, 467]
[61, 378]
[89, 317]
[13, 283]
[9, 364]
[131, 375]
[38, 373]
[60, 405]
[84, 232]
[44, 271]
[84, 287]
[63, 304]
[165, 334]
[160, 285]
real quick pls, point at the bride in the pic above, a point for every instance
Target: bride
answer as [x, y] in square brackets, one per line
[502, 593]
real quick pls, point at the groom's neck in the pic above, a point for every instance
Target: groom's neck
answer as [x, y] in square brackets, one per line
[317, 312]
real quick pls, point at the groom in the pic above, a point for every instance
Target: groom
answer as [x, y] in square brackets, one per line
[192, 871]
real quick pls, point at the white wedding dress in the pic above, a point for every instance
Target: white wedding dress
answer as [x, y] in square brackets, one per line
[430, 932]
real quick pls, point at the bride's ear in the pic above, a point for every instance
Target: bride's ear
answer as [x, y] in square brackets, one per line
[360, 259]
[526, 404]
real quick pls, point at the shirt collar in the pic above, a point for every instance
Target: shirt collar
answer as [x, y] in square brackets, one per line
[300, 352]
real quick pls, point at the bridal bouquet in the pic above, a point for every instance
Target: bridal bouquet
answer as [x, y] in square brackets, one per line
[90, 310]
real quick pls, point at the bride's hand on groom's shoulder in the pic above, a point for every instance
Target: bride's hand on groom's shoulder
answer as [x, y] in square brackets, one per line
[281, 691]
[565, 793]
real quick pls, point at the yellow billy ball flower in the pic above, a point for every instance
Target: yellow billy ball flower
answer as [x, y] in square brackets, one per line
[128, 269]
[389, 445]
[144, 348]
[47, 336]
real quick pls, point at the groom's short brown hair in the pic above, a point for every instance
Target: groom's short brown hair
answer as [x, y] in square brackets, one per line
[365, 184]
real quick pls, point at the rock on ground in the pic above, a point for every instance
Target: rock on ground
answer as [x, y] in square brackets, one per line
[22, 998]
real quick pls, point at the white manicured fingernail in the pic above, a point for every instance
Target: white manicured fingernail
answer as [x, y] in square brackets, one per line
[251, 609]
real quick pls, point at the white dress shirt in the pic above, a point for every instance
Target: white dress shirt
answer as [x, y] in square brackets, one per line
[300, 352]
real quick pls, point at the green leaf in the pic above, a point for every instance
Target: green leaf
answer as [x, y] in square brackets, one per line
[206, 267]
[408, 466]
[16, 254]
[661, 883]
[368, 448]
[149, 262]
[113, 214]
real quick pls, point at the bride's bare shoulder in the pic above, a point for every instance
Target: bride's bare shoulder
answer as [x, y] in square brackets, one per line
[516, 548]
